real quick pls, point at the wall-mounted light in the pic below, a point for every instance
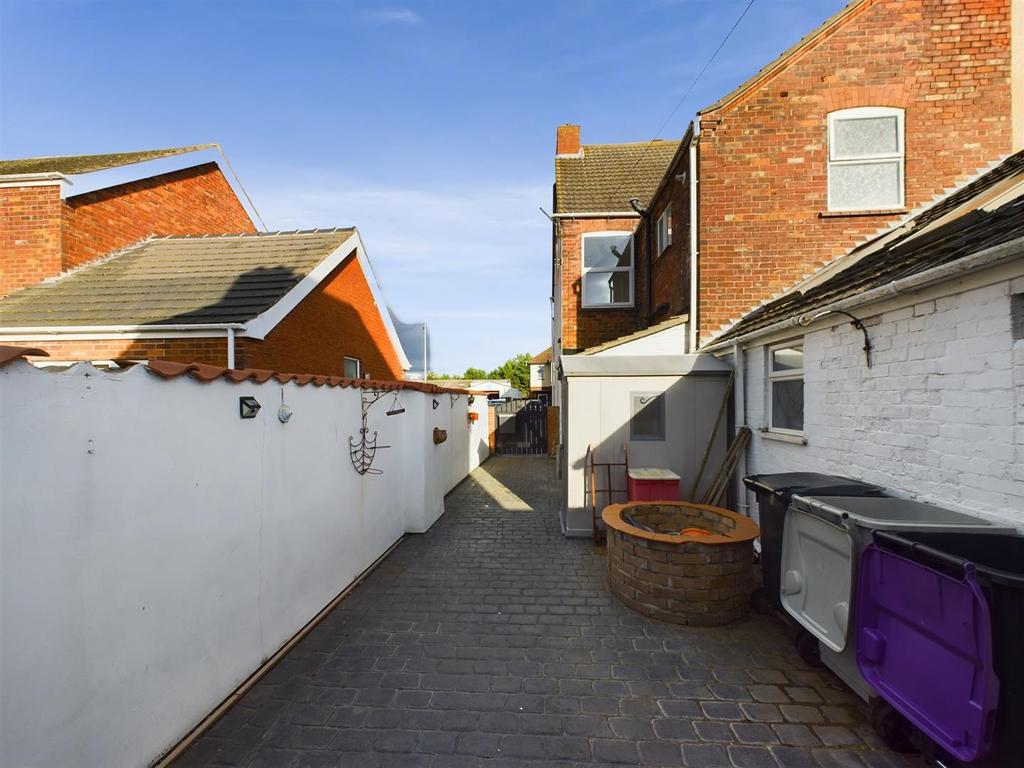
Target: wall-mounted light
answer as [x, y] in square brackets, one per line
[248, 407]
[471, 400]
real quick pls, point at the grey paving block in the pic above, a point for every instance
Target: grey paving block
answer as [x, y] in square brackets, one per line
[493, 642]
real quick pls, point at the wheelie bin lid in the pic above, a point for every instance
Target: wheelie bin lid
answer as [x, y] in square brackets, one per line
[786, 484]
[924, 643]
[888, 513]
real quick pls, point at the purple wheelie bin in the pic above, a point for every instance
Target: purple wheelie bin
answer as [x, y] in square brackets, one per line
[924, 645]
[939, 626]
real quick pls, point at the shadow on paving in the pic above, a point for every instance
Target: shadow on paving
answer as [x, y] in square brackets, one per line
[492, 641]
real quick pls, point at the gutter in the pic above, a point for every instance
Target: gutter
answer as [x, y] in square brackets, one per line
[32, 179]
[230, 330]
[987, 258]
[52, 330]
[597, 215]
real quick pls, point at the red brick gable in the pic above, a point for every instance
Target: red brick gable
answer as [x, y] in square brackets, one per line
[338, 318]
[764, 221]
[42, 236]
[192, 201]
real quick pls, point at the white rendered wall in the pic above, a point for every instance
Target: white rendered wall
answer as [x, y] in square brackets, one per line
[599, 410]
[939, 416]
[155, 548]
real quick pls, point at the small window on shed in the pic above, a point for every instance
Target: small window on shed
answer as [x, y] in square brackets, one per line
[353, 368]
[647, 417]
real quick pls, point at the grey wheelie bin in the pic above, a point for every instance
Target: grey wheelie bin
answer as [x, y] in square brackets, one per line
[774, 493]
[823, 541]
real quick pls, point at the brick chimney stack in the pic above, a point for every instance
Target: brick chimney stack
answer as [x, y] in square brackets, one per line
[568, 142]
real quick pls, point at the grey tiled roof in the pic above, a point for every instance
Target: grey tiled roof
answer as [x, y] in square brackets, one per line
[606, 176]
[71, 164]
[176, 280]
[983, 214]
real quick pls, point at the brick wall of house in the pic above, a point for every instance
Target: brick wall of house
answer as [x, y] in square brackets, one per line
[212, 351]
[763, 159]
[670, 286]
[939, 415]
[583, 328]
[30, 235]
[338, 319]
[195, 200]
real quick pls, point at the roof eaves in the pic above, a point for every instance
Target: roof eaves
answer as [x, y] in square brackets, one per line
[767, 72]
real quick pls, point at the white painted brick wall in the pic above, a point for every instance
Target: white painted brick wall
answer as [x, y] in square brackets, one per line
[939, 416]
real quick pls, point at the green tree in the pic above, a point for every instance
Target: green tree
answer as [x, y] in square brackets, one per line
[516, 370]
[475, 373]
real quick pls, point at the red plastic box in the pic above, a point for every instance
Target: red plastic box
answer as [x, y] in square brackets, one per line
[652, 484]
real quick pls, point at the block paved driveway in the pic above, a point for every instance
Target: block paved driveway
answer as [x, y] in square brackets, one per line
[492, 641]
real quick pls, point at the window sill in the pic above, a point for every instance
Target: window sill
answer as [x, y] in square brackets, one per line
[871, 212]
[606, 307]
[784, 438]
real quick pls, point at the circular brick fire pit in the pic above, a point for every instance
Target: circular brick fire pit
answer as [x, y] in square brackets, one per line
[680, 562]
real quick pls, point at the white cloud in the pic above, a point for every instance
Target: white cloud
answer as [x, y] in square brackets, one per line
[403, 16]
[472, 259]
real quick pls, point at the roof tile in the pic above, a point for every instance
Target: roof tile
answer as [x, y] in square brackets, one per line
[604, 177]
[72, 164]
[182, 280]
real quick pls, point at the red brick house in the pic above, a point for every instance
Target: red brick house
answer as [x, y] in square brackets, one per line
[875, 113]
[880, 110]
[871, 116]
[136, 267]
[595, 283]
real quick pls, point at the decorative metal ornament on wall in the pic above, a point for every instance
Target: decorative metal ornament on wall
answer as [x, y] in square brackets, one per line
[364, 451]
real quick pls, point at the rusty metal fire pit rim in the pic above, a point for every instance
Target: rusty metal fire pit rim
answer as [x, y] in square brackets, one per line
[745, 528]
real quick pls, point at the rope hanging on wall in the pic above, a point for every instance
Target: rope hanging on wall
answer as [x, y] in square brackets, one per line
[365, 450]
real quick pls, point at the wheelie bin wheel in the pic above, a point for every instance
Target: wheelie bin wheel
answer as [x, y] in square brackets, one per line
[892, 728]
[807, 647]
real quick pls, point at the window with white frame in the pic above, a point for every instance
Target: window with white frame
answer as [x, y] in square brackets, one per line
[353, 367]
[607, 269]
[865, 159]
[664, 230]
[647, 416]
[786, 388]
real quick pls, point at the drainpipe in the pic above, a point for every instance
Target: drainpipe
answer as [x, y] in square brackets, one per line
[739, 394]
[693, 245]
[231, 347]
[645, 222]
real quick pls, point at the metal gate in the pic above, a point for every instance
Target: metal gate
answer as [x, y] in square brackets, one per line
[522, 427]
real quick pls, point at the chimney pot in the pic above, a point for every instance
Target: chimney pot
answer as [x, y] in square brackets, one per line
[568, 142]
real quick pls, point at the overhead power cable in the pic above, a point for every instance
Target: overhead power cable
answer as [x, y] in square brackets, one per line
[682, 98]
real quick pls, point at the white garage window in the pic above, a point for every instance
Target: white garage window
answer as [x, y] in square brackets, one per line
[607, 269]
[865, 159]
[786, 388]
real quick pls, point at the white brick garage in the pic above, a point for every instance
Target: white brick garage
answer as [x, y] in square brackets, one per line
[939, 415]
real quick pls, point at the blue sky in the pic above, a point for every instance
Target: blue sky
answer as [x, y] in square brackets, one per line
[428, 125]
